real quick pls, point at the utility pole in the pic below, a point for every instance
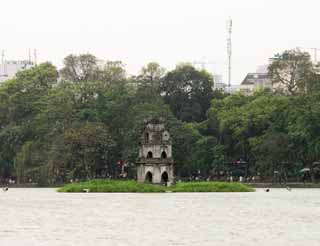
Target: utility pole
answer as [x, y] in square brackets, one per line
[229, 49]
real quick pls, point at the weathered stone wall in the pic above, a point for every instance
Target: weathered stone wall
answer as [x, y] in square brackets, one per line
[156, 150]
[157, 170]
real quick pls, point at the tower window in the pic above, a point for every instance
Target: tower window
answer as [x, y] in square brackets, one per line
[150, 155]
[163, 155]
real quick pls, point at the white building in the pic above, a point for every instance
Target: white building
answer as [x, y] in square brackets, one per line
[255, 81]
[233, 89]
[218, 82]
[8, 69]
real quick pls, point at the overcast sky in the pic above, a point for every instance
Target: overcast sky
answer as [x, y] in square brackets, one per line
[165, 31]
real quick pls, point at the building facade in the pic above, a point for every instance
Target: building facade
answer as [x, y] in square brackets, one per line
[8, 69]
[255, 81]
[155, 162]
[218, 83]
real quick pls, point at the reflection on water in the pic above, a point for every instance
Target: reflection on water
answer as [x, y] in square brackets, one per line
[43, 217]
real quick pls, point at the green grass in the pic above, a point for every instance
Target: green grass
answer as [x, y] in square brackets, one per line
[133, 186]
[210, 187]
[100, 185]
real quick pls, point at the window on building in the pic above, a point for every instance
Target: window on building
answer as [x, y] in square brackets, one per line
[149, 155]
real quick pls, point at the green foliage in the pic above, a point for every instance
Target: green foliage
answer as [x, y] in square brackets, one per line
[211, 187]
[78, 127]
[112, 186]
[133, 187]
[188, 92]
[292, 71]
[87, 68]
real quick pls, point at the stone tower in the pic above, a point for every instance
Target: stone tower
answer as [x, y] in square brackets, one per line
[155, 163]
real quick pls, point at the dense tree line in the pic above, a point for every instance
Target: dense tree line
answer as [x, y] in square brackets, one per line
[79, 122]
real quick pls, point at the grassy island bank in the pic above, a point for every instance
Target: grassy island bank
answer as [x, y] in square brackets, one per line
[135, 187]
[211, 187]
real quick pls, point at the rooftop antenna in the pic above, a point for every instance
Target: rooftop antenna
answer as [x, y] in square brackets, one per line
[35, 57]
[229, 49]
[2, 63]
[29, 56]
[4, 66]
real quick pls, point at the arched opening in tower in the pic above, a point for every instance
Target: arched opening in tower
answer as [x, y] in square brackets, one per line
[163, 155]
[149, 155]
[164, 177]
[148, 178]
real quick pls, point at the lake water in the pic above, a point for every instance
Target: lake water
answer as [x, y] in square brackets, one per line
[44, 217]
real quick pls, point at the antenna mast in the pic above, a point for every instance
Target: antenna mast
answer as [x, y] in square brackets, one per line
[29, 56]
[35, 57]
[229, 49]
[2, 63]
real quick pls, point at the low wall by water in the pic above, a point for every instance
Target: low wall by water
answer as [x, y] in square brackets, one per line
[283, 185]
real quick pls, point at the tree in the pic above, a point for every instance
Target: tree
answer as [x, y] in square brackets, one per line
[273, 153]
[112, 73]
[188, 92]
[208, 157]
[291, 72]
[237, 120]
[80, 68]
[86, 68]
[303, 129]
[185, 137]
[91, 148]
[20, 103]
[147, 83]
[152, 73]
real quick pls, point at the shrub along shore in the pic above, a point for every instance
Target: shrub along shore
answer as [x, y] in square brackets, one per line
[135, 187]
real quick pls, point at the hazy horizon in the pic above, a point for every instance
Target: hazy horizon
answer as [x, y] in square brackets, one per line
[167, 32]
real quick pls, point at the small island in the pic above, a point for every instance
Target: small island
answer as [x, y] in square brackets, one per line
[154, 170]
[131, 186]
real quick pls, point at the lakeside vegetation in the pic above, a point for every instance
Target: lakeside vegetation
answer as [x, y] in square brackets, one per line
[211, 187]
[134, 186]
[112, 186]
[79, 122]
